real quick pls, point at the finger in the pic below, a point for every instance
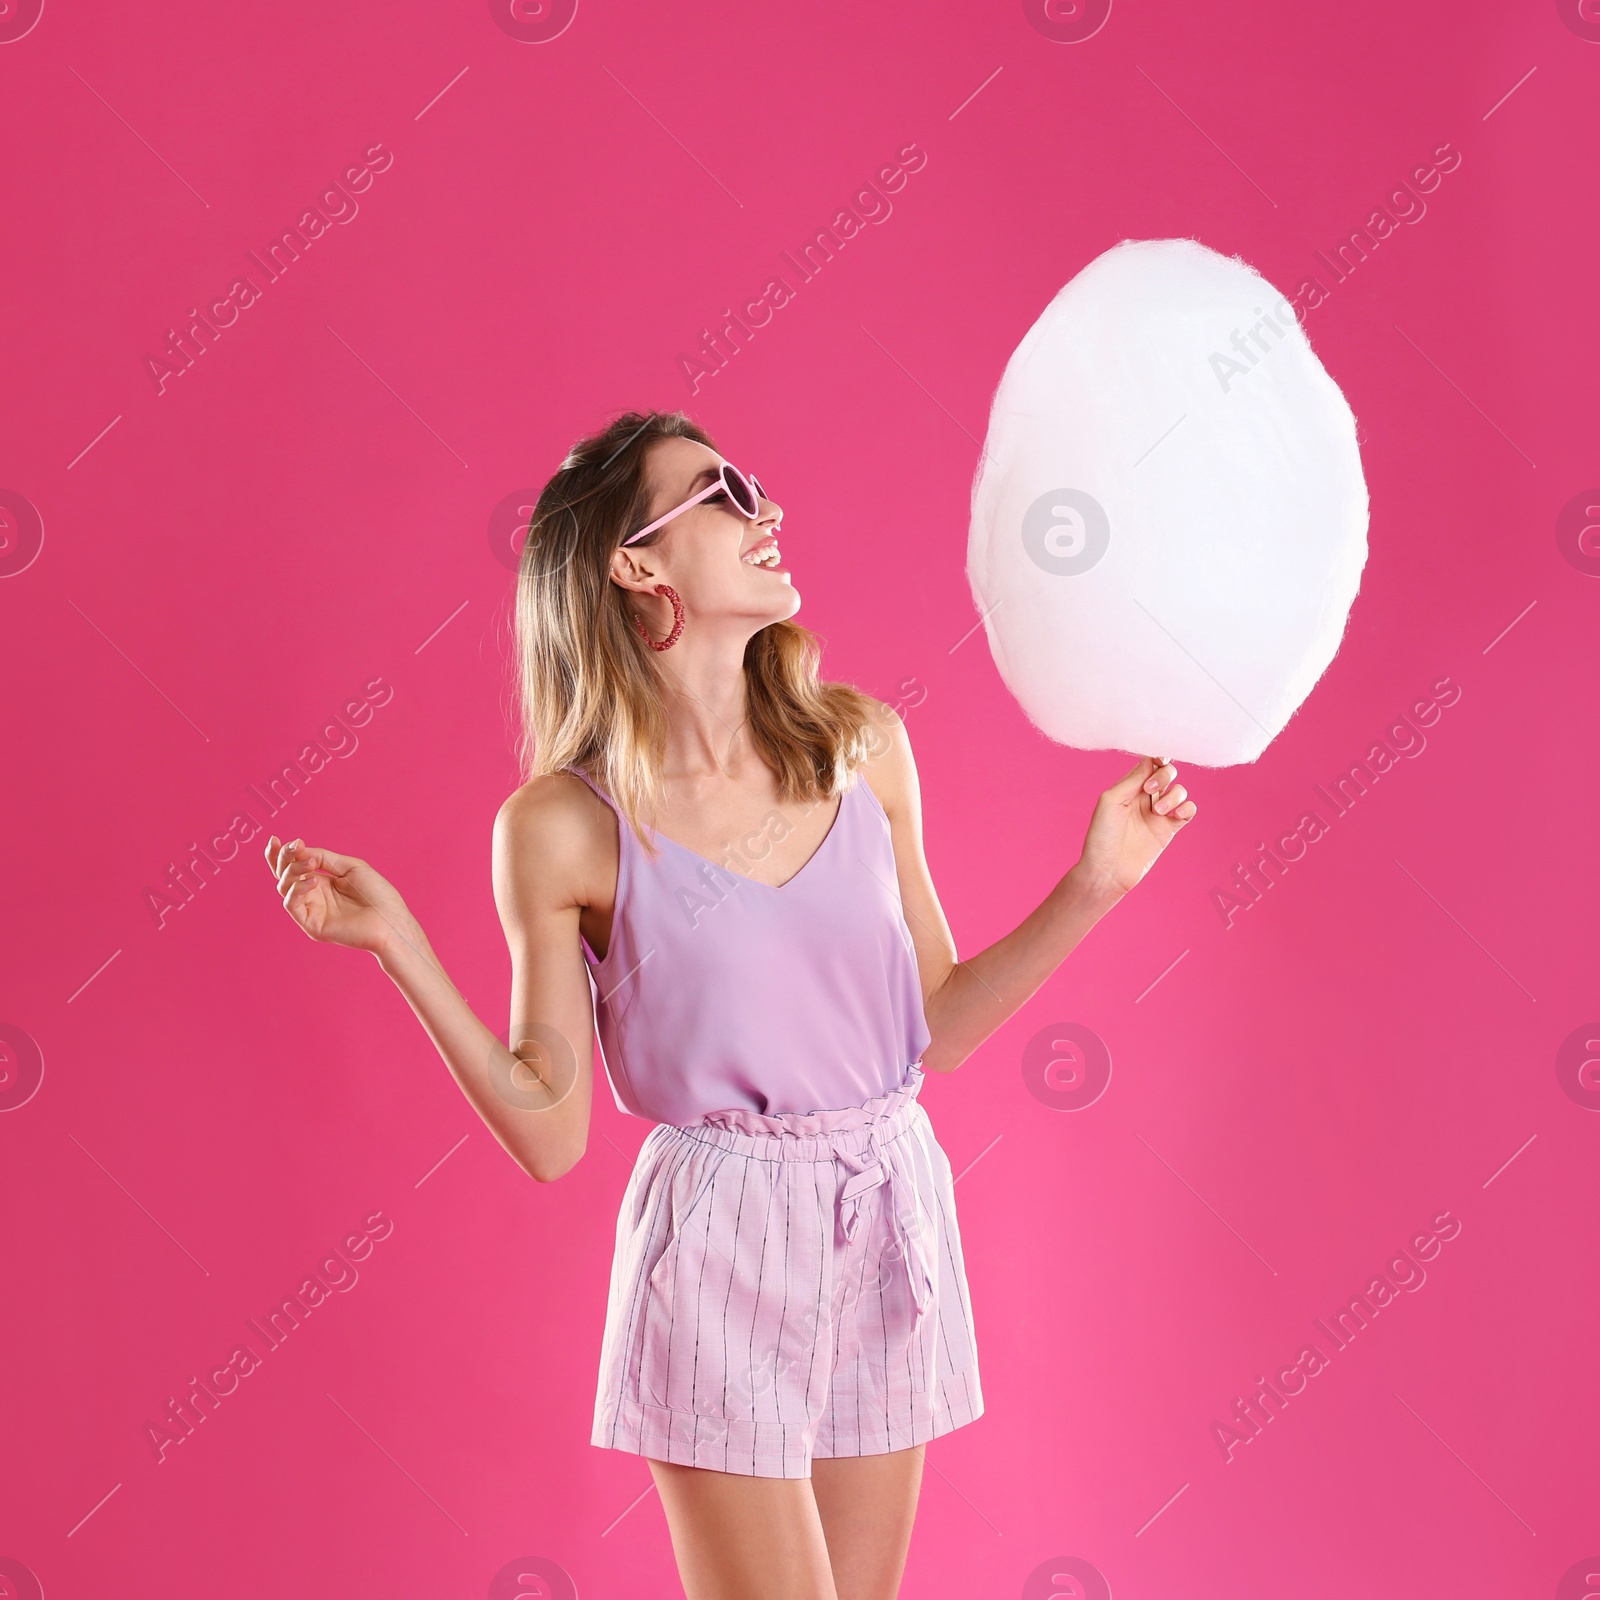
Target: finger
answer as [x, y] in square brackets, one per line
[301, 869]
[314, 858]
[300, 893]
[1160, 778]
[1126, 788]
[281, 851]
[294, 859]
[296, 880]
[330, 861]
[1170, 800]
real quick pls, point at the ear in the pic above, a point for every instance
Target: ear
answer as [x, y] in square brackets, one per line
[634, 570]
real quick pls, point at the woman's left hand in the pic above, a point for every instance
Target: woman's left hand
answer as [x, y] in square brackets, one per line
[1133, 822]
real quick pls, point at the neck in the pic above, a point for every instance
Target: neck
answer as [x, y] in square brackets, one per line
[704, 686]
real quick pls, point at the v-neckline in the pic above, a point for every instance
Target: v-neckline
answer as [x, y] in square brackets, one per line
[777, 888]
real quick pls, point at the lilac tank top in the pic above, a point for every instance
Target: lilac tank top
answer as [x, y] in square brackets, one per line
[719, 992]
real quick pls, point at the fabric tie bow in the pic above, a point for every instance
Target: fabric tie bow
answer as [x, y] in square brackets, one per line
[868, 1171]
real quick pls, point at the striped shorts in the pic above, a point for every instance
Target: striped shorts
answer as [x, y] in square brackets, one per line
[786, 1288]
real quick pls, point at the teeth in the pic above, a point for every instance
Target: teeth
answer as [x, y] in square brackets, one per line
[763, 558]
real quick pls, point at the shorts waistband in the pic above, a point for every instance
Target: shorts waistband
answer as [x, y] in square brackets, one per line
[812, 1135]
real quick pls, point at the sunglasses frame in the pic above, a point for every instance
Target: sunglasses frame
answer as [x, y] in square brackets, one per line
[728, 478]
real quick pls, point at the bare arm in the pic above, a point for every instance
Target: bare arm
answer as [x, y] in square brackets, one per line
[534, 1096]
[965, 1001]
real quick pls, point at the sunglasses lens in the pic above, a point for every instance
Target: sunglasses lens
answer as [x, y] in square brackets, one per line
[739, 490]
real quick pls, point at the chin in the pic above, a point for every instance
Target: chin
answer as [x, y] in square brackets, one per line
[777, 607]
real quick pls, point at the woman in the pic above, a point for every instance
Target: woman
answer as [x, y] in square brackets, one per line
[718, 858]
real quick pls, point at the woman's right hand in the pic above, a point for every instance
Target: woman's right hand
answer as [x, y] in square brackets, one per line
[336, 899]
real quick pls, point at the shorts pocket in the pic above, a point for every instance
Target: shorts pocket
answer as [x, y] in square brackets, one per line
[957, 1348]
[663, 1303]
[699, 1186]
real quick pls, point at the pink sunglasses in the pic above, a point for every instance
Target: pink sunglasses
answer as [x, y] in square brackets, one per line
[744, 495]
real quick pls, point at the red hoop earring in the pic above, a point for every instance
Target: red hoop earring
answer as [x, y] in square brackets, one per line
[677, 620]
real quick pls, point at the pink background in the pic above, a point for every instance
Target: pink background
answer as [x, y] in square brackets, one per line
[308, 509]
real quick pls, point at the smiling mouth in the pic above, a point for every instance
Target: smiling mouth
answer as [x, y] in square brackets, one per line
[764, 553]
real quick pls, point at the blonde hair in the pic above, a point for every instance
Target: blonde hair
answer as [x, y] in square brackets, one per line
[589, 689]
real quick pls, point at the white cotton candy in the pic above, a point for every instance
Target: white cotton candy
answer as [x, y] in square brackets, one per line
[1170, 520]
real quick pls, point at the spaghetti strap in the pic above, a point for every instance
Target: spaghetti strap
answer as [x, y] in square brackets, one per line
[578, 772]
[600, 963]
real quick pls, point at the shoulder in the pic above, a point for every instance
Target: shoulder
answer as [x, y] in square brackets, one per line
[556, 826]
[557, 802]
[889, 769]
